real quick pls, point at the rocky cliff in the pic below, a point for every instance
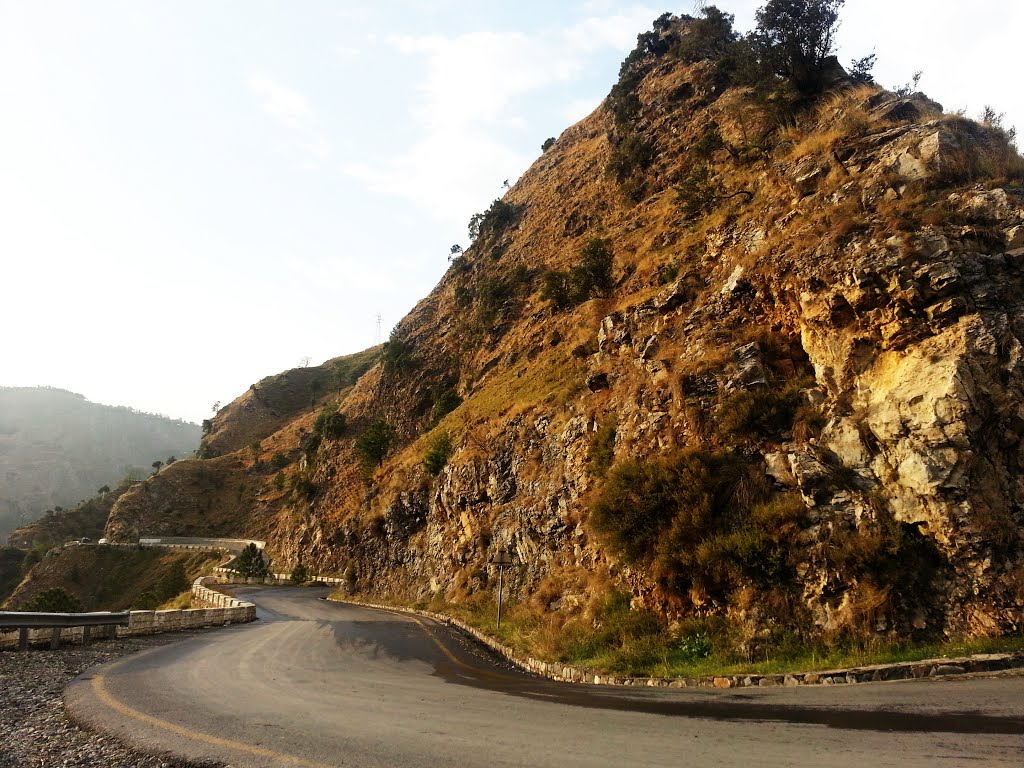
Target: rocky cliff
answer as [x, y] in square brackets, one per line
[735, 355]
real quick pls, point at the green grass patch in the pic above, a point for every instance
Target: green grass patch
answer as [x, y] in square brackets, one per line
[617, 640]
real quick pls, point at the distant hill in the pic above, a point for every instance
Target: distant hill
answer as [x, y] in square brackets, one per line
[57, 448]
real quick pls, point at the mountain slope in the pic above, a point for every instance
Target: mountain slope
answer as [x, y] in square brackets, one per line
[792, 401]
[57, 448]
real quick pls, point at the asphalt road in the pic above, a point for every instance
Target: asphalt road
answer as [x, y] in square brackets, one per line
[323, 684]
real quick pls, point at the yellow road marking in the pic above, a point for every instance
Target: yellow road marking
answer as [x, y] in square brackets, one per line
[100, 689]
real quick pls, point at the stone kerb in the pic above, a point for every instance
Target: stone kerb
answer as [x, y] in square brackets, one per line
[874, 673]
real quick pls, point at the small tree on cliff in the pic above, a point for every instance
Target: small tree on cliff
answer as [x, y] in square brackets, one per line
[795, 37]
[373, 445]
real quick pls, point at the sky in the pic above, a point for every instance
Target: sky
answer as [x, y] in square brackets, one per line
[196, 194]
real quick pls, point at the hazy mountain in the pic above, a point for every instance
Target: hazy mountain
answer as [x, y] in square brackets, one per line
[57, 448]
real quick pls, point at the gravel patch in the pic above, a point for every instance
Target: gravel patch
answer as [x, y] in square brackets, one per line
[35, 730]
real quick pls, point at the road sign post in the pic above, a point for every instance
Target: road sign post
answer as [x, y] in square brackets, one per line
[503, 559]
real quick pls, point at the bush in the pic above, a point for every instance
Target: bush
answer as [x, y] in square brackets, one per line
[631, 155]
[602, 447]
[555, 288]
[53, 600]
[331, 423]
[303, 487]
[438, 453]
[446, 401]
[494, 220]
[397, 355]
[300, 574]
[279, 461]
[765, 412]
[373, 445]
[593, 275]
[548, 144]
[698, 192]
[700, 519]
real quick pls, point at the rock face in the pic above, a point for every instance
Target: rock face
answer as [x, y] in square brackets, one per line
[845, 321]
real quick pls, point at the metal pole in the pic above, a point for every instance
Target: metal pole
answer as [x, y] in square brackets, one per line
[501, 571]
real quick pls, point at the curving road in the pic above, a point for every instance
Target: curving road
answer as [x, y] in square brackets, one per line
[324, 684]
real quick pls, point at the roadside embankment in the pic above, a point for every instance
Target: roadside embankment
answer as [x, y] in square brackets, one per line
[35, 729]
[560, 671]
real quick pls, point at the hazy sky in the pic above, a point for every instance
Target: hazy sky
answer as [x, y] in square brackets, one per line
[194, 195]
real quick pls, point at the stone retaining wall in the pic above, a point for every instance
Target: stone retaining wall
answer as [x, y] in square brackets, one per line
[228, 576]
[873, 673]
[219, 610]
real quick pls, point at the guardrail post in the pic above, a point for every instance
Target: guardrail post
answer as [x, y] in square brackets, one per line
[86, 635]
[23, 639]
[55, 639]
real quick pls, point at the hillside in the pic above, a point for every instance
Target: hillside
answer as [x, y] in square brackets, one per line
[57, 448]
[103, 578]
[86, 519]
[743, 359]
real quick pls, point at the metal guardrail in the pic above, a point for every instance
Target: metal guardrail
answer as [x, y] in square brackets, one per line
[23, 621]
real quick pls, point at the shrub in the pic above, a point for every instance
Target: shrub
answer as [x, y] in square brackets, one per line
[631, 155]
[300, 574]
[438, 453]
[495, 220]
[593, 275]
[548, 144]
[602, 447]
[699, 191]
[53, 600]
[620, 629]
[446, 401]
[694, 647]
[373, 445]
[491, 296]
[710, 142]
[700, 519]
[397, 355]
[765, 412]
[145, 601]
[303, 487]
[279, 461]
[331, 423]
[309, 444]
[555, 288]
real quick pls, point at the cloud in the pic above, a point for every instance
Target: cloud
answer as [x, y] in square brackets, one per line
[434, 173]
[291, 109]
[618, 31]
[476, 75]
[472, 86]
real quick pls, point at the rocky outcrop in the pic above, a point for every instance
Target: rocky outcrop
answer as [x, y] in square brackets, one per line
[844, 321]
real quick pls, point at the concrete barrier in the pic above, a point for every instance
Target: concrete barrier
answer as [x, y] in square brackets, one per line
[218, 609]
